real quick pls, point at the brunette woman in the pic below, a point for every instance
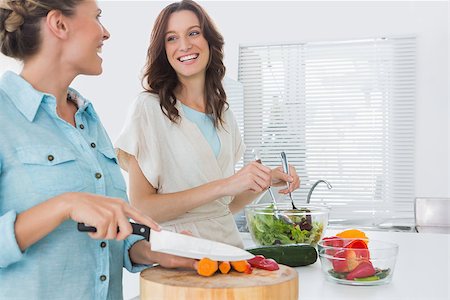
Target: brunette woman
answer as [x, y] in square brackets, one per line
[181, 142]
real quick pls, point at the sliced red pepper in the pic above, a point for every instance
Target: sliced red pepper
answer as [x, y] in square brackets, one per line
[345, 261]
[255, 260]
[269, 265]
[261, 262]
[356, 244]
[332, 241]
[364, 269]
[360, 248]
[349, 258]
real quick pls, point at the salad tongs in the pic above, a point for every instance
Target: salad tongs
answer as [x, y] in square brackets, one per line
[276, 211]
[284, 162]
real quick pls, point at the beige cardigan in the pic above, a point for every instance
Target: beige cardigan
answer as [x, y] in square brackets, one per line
[176, 157]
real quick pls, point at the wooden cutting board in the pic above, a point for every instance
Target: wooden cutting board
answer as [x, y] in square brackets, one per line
[159, 283]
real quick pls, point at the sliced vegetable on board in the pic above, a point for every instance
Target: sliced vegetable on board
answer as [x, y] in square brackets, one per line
[224, 267]
[255, 260]
[260, 262]
[207, 267]
[242, 266]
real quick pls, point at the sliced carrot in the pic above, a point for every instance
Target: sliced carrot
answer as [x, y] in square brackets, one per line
[224, 267]
[207, 267]
[241, 266]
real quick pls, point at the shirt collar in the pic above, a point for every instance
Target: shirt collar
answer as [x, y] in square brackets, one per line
[82, 103]
[27, 99]
[22, 94]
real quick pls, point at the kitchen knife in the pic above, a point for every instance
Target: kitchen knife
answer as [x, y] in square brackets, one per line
[184, 245]
[138, 229]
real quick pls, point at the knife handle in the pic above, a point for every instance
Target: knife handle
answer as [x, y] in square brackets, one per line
[138, 229]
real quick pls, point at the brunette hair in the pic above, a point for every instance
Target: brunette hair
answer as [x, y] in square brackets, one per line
[20, 24]
[161, 79]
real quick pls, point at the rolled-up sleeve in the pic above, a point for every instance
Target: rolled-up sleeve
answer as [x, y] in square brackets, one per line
[127, 263]
[139, 139]
[9, 250]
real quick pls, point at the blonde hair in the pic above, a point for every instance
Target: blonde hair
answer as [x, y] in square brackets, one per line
[20, 24]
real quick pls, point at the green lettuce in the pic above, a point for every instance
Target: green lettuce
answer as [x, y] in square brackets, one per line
[268, 230]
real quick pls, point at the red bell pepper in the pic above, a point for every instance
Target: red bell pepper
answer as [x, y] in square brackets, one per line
[364, 269]
[360, 248]
[332, 241]
[261, 262]
[347, 259]
[269, 265]
[255, 260]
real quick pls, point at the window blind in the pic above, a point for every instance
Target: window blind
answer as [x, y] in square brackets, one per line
[342, 111]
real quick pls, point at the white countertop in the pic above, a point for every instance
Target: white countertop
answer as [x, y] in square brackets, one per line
[421, 272]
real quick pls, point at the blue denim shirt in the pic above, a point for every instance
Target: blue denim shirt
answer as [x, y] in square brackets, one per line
[42, 156]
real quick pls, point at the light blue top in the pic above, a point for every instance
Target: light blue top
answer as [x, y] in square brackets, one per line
[66, 264]
[206, 126]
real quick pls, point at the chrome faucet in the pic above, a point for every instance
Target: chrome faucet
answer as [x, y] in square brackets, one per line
[308, 199]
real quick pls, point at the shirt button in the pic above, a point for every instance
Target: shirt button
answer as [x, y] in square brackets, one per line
[81, 126]
[50, 157]
[103, 277]
[93, 145]
[98, 175]
[103, 244]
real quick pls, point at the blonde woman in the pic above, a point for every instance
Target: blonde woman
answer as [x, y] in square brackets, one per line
[57, 164]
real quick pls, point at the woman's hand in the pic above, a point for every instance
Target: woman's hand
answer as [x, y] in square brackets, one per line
[141, 253]
[279, 178]
[276, 178]
[254, 177]
[172, 261]
[106, 214]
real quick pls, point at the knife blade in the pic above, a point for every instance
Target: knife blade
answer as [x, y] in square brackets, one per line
[193, 247]
[184, 245]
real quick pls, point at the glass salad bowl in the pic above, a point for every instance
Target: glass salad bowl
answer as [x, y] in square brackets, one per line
[357, 261]
[284, 225]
